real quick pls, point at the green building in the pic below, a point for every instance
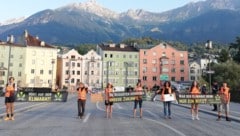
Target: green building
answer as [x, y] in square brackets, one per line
[120, 64]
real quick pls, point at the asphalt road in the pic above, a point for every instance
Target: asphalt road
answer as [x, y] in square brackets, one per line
[59, 119]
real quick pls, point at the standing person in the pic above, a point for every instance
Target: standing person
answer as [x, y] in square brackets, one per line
[215, 89]
[204, 89]
[108, 104]
[167, 104]
[194, 90]
[138, 100]
[82, 96]
[225, 97]
[9, 98]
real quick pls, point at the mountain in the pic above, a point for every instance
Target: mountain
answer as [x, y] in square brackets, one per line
[89, 22]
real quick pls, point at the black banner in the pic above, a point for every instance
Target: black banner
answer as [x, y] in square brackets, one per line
[128, 96]
[41, 96]
[198, 99]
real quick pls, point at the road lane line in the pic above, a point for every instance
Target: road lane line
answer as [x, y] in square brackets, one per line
[118, 106]
[152, 114]
[157, 122]
[86, 118]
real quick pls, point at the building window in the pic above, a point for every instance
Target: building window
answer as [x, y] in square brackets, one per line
[10, 73]
[136, 56]
[92, 72]
[154, 78]
[73, 57]
[78, 80]
[73, 72]
[181, 55]
[145, 52]
[182, 62]
[154, 69]
[144, 69]
[2, 73]
[173, 70]
[85, 72]
[50, 72]
[19, 74]
[78, 72]
[154, 61]
[78, 65]
[1, 64]
[72, 80]
[182, 70]
[124, 56]
[182, 78]
[32, 71]
[21, 56]
[164, 62]
[105, 55]
[136, 73]
[192, 78]
[173, 62]
[165, 70]
[192, 71]
[130, 56]
[11, 64]
[67, 72]
[66, 64]
[11, 56]
[111, 55]
[145, 78]
[173, 78]
[20, 64]
[73, 64]
[144, 61]
[41, 72]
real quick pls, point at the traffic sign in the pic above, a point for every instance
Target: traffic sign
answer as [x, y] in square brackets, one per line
[164, 77]
[210, 72]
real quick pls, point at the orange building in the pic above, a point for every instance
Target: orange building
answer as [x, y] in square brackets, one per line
[163, 62]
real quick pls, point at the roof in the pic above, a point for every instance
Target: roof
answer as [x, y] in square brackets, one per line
[33, 41]
[127, 48]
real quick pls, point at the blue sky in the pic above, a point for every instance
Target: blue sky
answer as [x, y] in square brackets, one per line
[19, 8]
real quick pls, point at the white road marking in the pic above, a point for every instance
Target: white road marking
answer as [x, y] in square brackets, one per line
[86, 118]
[165, 125]
[118, 106]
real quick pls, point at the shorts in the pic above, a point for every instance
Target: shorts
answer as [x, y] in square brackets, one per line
[9, 99]
[136, 103]
[223, 106]
[108, 103]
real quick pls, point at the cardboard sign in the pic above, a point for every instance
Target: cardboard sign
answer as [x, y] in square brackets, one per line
[169, 97]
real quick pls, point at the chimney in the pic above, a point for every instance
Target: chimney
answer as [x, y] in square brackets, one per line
[42, 44]
[122, 45]
[25, 33]
[10, 39]
[37, 37]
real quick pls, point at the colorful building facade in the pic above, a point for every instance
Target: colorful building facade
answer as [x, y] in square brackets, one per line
[163, 62]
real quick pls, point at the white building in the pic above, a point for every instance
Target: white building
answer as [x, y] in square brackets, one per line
[195, 71]
[74, 68]
[31, 61]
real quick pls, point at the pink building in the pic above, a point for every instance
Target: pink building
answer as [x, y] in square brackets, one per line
[163, 62]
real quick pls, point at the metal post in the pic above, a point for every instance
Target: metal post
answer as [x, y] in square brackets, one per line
[9, 61]
[208, 47]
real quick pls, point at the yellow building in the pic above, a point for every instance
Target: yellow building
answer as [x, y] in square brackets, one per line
[31, 61]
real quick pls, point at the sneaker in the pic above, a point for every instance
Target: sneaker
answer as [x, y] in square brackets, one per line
[6, 118]
[169, 117]
[197, 118]
[193, 118]
[12, 118]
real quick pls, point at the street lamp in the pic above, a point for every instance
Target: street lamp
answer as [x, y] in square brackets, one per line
[208, 46]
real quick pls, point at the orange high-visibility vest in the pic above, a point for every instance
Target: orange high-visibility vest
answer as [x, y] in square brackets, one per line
[82, 94]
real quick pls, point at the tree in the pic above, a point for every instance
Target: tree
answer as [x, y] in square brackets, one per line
[223, 56]
[236, 46]
[84, 48]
